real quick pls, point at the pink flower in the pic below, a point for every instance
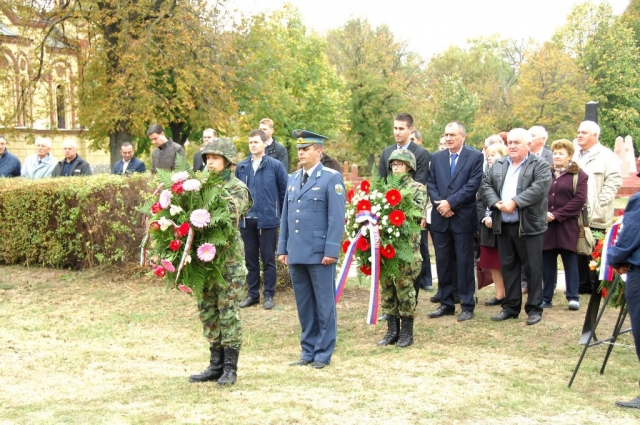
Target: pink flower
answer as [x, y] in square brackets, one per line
[165, 199]
[206, 252]
[167, 265]
[200, 218]
[185, 289]
[180, 176]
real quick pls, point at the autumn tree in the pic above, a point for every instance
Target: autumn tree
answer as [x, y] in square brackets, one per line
[551, 92]
[283, 73]
[381, 78]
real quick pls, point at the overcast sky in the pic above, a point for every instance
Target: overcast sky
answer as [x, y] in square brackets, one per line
[431, 26]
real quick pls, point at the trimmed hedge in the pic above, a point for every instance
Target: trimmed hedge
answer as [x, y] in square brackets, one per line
[72, 222]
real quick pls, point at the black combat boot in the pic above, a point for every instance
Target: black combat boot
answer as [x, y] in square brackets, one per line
[393, 325]
[406, 333]
[214, 371]
[230, 366]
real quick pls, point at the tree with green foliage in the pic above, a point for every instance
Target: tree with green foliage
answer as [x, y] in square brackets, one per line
[283, 73]
[381, 77]
[551, 92]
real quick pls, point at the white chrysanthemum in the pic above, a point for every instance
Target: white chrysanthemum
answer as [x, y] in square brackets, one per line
[397, 234]
[180, 177]
[192, 185]
[390, 230]
[164, 223]
[165, 199]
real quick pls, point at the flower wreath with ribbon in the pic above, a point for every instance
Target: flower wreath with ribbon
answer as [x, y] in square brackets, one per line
[380, 220]
[189, 229]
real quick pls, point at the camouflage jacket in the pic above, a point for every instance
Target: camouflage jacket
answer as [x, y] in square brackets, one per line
[238, 208]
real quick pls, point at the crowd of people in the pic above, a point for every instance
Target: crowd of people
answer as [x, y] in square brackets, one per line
[518, 201]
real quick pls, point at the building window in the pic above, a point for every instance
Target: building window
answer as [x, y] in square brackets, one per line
[60, 107]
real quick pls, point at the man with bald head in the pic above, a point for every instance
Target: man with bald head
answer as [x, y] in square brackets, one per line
[72, 164]
[516, 189]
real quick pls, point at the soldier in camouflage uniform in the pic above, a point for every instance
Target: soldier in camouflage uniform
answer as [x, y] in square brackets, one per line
[220, 308]
[399, 296]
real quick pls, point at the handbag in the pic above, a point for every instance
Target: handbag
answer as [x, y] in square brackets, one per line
[484, 276]
[586, 241]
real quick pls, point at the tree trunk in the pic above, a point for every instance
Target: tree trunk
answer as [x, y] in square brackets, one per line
[116, 139]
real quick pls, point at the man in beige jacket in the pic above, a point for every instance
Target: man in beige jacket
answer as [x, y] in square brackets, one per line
[605, 178]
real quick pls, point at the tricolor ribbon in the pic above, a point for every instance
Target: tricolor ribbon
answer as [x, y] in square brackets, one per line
[606, 271]
[370, 222]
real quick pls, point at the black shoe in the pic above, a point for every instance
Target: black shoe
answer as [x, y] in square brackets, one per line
[435, 299]
[504, 315]
[442, 311]
[230, 366]
[318, 365]
[534, 318]
[494, 301]
[214, 371]
[268, 303]
[465, 315]
[456, 300]
[393, 326]
[301, 362]
[249, 301]
[634, 404]
[406, 333]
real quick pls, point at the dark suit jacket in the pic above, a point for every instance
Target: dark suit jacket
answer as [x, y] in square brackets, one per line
[198, 164]
[459, 190]
[135, 166]
[547, 155]
[422, 161]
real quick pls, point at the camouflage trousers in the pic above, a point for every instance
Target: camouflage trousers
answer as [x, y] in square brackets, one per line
[220, 313]
[398, 298]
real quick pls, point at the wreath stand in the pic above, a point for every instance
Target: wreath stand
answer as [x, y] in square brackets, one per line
[591, 321]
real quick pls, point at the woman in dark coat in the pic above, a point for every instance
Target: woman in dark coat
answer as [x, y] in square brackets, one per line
[561, 238]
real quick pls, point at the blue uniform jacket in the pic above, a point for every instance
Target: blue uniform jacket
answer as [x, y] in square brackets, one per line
[270, 186]
[135, 166]
[627, 247]
[313, 217]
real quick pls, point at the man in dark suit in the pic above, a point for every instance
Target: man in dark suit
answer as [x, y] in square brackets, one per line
[310, 236]
[207, 135]
[129, 164]
[454, 178]
[405, 136]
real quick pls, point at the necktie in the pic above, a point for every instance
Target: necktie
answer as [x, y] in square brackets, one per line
[305, 176]
[453, 163]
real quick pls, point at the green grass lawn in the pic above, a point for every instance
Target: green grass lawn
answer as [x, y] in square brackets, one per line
[113, 347]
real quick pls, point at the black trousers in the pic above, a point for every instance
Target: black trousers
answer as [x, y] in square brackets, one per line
[517, 251]
[454, 252]
[259, 244]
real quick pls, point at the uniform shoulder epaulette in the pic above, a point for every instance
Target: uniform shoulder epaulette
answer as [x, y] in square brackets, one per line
[296, 173]
[330, 170]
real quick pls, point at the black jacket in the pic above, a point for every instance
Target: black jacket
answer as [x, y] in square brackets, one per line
[80, 167]
[279, 152]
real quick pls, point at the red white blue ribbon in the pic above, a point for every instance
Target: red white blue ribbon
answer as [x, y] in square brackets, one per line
[606, 271]
[370, 223]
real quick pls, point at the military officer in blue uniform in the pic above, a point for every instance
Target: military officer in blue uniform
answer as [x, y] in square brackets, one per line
[310, 236]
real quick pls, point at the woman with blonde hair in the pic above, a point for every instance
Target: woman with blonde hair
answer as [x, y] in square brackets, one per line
[489, 258]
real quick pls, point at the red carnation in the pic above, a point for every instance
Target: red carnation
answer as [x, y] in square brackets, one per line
[366, 270]
[345, 245]
[388, 251]
[154, 225]
[365, 186]
[604, 292]
[177, 188]
[159, 271]
[397, 217]
[350, 194]
[363, 244]
[393, 197]
[156, 208]
[363, 205]
[182, 230]
[175, 244]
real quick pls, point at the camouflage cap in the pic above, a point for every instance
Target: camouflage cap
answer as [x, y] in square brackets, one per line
[403, 155]
[222, 147]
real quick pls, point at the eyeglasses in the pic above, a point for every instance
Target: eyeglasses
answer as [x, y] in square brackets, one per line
[397, 164]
